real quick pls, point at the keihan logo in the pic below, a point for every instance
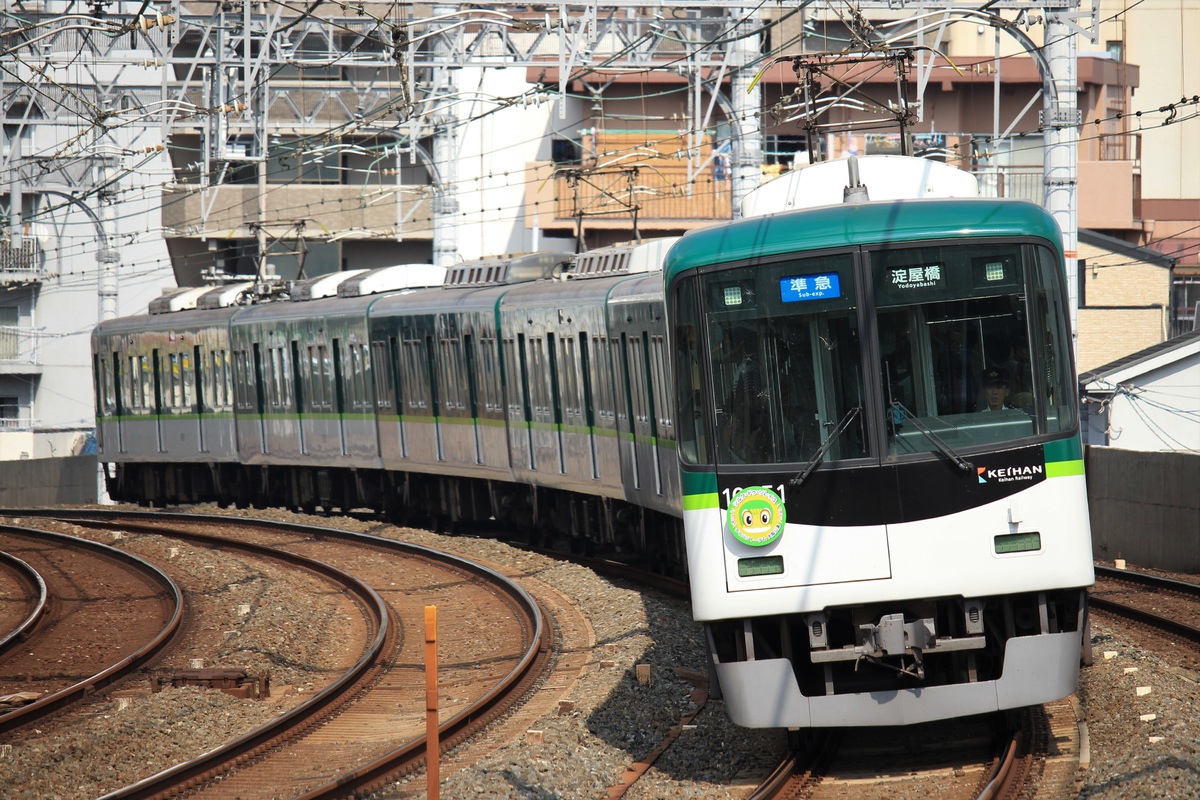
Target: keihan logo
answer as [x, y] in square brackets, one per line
[1031, 472]
[756, 516]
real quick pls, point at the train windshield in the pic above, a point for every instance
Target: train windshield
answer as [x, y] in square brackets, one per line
[969, 341]
[786, 364]
[961, 328]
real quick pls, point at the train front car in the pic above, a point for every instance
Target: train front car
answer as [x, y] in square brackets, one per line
[882, 474]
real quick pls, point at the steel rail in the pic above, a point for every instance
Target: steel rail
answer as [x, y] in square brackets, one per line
[32, 578]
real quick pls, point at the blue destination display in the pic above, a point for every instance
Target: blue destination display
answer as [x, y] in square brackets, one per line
[822, 286]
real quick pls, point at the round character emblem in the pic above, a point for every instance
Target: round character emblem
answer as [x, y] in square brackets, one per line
[756, 516]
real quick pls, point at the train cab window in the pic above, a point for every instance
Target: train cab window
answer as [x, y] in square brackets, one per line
[787, 381]
[956, 340]
[687, 344]
[1052, 344]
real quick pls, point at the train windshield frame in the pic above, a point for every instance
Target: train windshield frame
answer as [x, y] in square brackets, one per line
[968, 338]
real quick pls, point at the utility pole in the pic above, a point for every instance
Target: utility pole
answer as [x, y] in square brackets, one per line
[746, 100]
[446, 46]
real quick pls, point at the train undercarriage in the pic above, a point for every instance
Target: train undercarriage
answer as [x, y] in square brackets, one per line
[566, 521]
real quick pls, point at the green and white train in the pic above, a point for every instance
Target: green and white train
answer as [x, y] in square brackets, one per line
[796, 410]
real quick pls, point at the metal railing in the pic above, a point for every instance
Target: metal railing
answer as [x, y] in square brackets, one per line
[654, 193]
[1014, 183]
[20, 344]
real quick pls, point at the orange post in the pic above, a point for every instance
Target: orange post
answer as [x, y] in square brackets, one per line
[431, 704]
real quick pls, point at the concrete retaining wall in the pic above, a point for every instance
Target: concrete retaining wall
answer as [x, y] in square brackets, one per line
[1145, 507]
[48, 481]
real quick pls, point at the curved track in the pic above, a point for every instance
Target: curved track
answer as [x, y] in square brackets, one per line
[991, 757]
[86, 627]
[262, 763]
[26, 599]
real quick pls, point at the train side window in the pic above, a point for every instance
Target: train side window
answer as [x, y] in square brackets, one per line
[196, 380]
[604, 385]
[395, 367]
[190, 367]
[120, 385]
[450, 374]
[213, 391]
[383, 375]
[316, 389]
[325, 358]
[412, 375]
[430, 378]
[526, 404]
[587, 401]
[658, 381]
[172, 384]
[357, 372]
[555, 399]
[689, 402]
[241, 379]
[490, 372]
[275, 396]
[297, 377]
[570, 376]
[470, 362]
[367, 378]
[98, 370]
[110, 383]
[135, 382]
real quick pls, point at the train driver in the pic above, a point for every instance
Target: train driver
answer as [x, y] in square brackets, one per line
[995, 390]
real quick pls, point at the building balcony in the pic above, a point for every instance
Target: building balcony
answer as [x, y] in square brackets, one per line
[22, 263]
[20, 347]
[313, 210]
[652, 198]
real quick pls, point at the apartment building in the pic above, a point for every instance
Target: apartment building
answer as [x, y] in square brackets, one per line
[380, 138]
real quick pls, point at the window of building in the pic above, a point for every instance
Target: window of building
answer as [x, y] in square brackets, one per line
[10, 411]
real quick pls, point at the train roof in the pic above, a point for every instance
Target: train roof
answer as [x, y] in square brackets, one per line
[863, 224]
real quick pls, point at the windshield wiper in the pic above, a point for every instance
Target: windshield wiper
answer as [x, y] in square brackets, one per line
[825, 446]
[946, 450]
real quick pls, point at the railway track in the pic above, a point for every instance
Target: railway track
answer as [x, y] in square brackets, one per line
[1033, 752]
[1148, 600]
[100, 614]
[367, 727]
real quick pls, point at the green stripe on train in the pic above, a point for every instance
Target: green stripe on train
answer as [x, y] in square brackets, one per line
[1063, 457]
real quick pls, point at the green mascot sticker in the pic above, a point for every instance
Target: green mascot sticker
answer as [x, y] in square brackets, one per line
[756, 516]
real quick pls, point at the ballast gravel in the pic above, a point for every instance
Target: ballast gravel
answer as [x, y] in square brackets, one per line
[1143, 743]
